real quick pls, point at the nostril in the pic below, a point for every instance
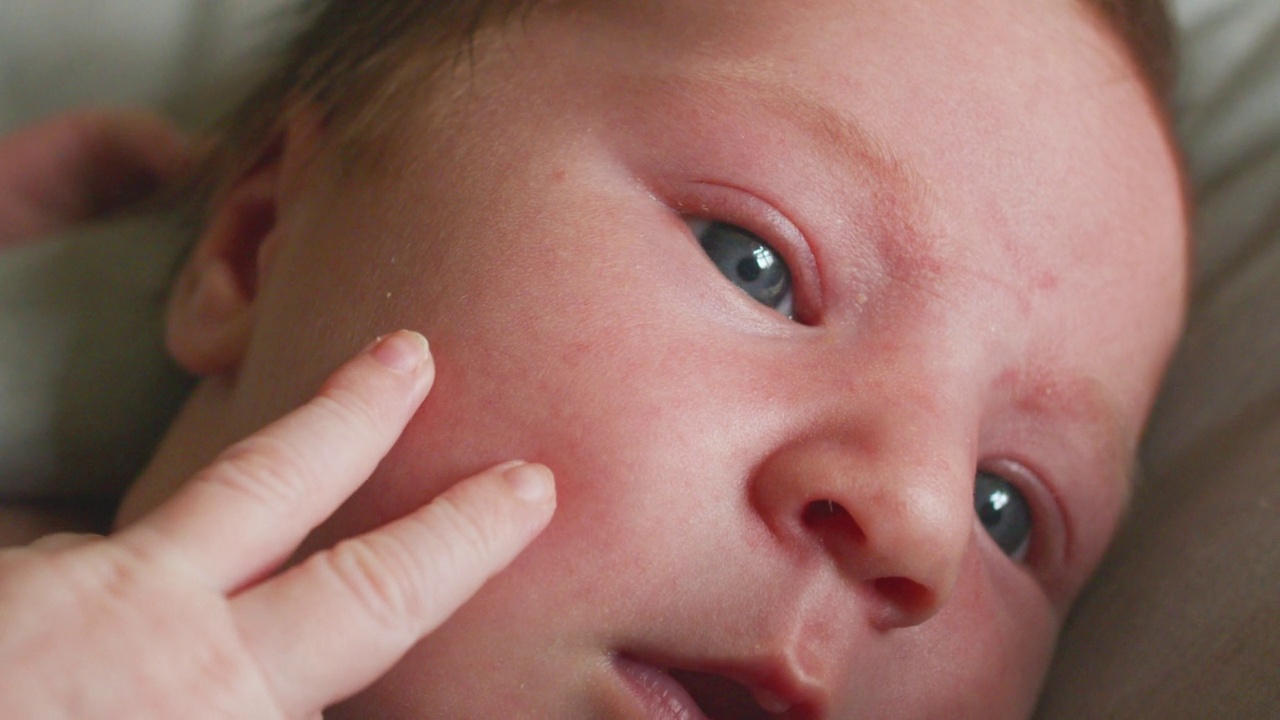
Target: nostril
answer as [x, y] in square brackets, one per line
[909, 598]
[829, 520]
[903, 601]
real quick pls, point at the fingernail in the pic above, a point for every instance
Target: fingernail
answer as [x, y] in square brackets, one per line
[403, 351]
[531, 483]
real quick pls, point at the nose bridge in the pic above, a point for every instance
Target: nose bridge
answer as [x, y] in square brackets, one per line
[885, 492]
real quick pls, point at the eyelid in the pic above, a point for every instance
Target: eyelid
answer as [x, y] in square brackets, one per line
[1046, 554]
[717, 202]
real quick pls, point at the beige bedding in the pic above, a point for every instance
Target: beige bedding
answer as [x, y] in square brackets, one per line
[1184, 619]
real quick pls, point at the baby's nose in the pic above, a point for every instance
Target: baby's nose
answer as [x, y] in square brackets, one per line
[895, 528]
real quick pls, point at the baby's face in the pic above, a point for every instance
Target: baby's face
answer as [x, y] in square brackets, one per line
[772, 287]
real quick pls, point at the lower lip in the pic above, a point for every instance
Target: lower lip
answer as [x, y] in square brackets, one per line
[662, 697]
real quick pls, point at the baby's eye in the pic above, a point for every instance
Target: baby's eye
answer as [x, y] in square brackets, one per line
[748, 262]
[1004, 512]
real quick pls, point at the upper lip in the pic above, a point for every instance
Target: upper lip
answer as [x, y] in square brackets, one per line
[775, 682]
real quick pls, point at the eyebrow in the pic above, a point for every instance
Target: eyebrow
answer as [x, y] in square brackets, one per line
[1086, 402]
[859, 148]
[898, 192]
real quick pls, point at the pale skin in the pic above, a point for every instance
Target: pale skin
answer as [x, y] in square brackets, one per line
[759, 515]
[181, 612]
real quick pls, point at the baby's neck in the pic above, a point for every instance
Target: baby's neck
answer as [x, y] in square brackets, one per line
[198, 433]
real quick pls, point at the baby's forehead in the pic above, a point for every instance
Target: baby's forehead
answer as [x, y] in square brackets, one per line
[869, 86]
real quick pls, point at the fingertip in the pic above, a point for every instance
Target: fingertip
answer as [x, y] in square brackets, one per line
[404, 351]
[532, 483]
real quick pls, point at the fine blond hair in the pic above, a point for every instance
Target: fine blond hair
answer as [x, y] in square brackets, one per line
[352, 58]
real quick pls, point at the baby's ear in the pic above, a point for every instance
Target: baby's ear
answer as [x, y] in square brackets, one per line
[212, 305]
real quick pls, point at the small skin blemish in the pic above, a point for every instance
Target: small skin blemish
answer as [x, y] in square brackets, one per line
[1047, 282]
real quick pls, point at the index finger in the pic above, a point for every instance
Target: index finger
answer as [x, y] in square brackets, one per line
[239, 518]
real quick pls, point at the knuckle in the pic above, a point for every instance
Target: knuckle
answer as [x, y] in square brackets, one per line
[271, 473]
[109, 577]
[404, 576]
[118, 573]
[353, 408]
[383, 577]
[466, 534]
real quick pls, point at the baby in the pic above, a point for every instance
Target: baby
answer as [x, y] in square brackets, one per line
[838, 323]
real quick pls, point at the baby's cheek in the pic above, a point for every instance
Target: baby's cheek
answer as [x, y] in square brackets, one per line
[997, 633]
[490, 405]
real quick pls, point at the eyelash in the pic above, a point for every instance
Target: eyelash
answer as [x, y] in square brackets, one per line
[732, 206]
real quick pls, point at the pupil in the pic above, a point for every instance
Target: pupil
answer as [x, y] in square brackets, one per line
[749, 269]
[989, 513]
[1004, 513]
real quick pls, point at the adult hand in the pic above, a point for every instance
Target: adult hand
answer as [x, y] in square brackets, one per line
[81, 166]
[179, 615]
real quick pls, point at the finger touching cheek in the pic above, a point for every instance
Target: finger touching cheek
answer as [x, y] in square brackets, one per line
[332, 625]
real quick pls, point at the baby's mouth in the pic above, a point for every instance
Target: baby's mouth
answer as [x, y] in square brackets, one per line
[678, 694]
[720, 698]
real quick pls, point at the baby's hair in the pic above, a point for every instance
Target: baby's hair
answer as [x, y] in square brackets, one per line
[1147, 31]
[352, 59]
